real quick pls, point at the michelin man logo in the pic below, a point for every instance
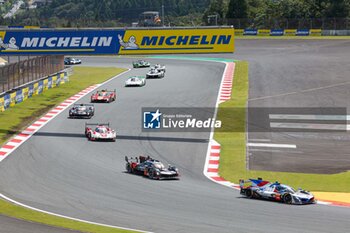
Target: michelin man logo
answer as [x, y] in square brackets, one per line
[10, 46]
[131, 44]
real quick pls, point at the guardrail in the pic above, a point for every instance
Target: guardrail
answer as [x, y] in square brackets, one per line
[21, 93]
[24, 71]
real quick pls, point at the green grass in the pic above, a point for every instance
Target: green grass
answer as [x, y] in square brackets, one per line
[9, 209]
[24, 113]
[295, 37]
[233, 146]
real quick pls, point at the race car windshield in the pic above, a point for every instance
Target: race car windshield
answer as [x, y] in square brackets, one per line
[102, 93]
[287, 188]
[101, 130]
[82, 108]
[159, 166]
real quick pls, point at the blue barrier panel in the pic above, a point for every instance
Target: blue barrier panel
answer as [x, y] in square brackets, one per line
[31, 90]
[15, 26]
[58, 80]
[250, 32]
[49, 83]
[19, 96]
[276, 32]
[40, 86]
[302, 32]
[7, 101]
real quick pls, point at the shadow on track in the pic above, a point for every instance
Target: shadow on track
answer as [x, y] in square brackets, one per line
[125, 137]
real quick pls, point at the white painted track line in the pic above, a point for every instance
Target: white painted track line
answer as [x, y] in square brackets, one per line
[272, 145]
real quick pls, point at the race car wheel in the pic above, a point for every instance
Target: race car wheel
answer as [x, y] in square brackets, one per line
[89, 136]
[128, 168]
[150, 175]
[249, 193]
[287, 198]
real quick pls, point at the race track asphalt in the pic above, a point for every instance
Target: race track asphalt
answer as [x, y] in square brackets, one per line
[58, 170]
[298, 75]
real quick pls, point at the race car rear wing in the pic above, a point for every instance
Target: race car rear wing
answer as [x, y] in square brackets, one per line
[88, 105]
[108, 91]
[96, 124]
[140, 158]
[253, 182]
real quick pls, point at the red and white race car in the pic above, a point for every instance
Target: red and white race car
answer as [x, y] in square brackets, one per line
[104, 96]
[94, 131]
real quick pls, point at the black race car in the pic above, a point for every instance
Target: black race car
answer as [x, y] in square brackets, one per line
[150, 168]
[82, 111]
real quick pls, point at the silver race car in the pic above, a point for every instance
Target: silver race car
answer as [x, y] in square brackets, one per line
[154, 73]
[160, 67]
[135, 81]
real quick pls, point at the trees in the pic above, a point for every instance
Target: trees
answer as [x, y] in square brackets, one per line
[338, 9]
[177, 12]
[237, 9]
[217, 9]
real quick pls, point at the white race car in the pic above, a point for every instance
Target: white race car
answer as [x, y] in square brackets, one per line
[160, 67]
[100, 131]
[154, 73]
[135, 81]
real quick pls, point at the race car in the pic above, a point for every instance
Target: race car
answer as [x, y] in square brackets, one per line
[104, 96]
[135, 81]
[140, 64]
[82, 111]
[262, 189]
[99, 131]
[160, 67]
[71, 61]
[154, 73]
[150, 168]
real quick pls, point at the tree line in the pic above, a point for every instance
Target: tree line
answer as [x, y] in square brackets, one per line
[278, 9]
[83, 13]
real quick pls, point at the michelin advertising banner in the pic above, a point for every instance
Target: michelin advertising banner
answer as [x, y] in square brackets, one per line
[7, 101]
[59, 41]
[205, 40]
[2, 103]
[19, 96]
[116, 41]
[25, 93]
